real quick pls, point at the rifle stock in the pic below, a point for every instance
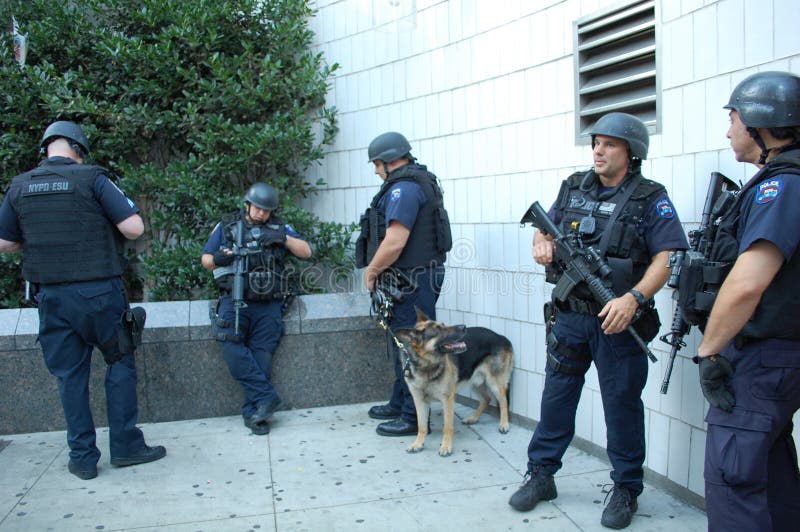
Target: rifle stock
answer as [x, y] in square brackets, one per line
[580, 264]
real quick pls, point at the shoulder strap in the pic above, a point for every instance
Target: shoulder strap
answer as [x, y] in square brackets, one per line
[623, 198]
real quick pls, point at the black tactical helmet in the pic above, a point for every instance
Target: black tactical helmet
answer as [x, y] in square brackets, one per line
[767, 100]
[388, 147]
[66, 130]
[626, 127]
[263, 196]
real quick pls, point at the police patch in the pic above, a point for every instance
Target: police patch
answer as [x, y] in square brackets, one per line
[769, 190]
[664, 209]
[395, 194]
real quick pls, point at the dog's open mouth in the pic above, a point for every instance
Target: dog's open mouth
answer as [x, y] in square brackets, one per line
[452, 347]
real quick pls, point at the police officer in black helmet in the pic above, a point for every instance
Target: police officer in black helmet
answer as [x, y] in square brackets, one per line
[632, 223]
[248, 351]
[70, 221]
[405, 234]
[749, 359]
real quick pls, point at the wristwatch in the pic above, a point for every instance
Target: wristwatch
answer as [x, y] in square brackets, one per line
[640, 299]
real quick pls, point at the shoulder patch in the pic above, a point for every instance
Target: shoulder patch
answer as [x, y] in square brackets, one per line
[395, 194]
[769, 190]
[664, 209]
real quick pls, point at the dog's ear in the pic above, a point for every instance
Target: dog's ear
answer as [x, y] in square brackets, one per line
[420, 315]
[407, 336]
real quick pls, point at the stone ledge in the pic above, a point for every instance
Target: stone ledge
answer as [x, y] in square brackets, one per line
[332, 353]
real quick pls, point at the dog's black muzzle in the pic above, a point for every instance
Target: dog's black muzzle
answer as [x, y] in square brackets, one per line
[453, 341]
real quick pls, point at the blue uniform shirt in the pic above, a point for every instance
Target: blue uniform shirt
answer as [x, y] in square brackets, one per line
[402, 202]
[115, 204]
[769, 212]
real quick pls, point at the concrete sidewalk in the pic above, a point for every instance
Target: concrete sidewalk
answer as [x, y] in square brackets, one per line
[318, 470]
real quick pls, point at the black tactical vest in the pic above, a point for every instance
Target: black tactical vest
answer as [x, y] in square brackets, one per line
[430, 238]
[583, 206]
[778, 312]
[67, 236]
[264, 265]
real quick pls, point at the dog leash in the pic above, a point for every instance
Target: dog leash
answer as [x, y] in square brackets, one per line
[381, 307]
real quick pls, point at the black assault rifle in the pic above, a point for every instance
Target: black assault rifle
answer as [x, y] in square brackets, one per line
[580, 264]
[240, 253]
[720, 190]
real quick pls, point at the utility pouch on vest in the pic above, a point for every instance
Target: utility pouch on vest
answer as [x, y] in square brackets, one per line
[648, 323]
[444, 238]
[361, 242]
[130, 335]
[699, 284]
[621, 274]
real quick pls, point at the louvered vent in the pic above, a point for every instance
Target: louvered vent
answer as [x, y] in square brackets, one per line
[616, 65]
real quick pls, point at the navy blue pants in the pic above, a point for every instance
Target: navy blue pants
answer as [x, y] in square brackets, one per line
[429, 286]
[73, 318]
[250, 360]
[751, 474]
[622, 371]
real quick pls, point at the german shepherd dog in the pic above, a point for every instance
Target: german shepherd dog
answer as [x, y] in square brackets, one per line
[439, 359]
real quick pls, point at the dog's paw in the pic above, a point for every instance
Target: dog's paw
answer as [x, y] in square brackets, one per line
[503, 429]
[414, 449]
[445, 451]
[469, 421]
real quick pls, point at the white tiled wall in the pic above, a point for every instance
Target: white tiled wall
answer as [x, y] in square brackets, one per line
[484, 91]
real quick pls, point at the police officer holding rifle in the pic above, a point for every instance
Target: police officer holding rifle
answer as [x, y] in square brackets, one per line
[607, 258]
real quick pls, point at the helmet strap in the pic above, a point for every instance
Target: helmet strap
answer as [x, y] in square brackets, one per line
[756, 137]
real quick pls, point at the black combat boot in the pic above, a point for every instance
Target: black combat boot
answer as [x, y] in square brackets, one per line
[537, 485]
[620, 509]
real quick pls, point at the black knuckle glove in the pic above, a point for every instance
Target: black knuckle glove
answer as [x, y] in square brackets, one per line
[714, 371]
[223, 259]
[273, 236]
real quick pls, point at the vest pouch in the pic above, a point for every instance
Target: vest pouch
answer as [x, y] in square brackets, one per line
[265, 285]
[361, 241]
[621, 240]
[376, 232]
[621, 274]
[444, 238]
[648, 324]
[223, 276]
[690, 284]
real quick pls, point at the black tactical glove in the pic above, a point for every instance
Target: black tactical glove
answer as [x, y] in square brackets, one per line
[223, 259]
[713, 372]
[271, 236]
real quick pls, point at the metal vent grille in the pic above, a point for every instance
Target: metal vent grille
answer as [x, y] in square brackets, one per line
[616, 65]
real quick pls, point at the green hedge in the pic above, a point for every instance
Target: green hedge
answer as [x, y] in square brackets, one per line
[190, 102]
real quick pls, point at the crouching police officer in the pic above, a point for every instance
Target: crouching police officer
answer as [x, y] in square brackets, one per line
[70, 222]
[750, 354]
[632, 223]
[251, 245]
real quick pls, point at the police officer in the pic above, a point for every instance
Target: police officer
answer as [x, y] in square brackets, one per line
[255, 240]
[70, 222]
[631, 221]
[749, 358]
[405, 234]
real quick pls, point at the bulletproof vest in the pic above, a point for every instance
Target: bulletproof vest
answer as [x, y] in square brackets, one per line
[430, 237]
[588, 211]
[265, 268]
[778, 312]
[67, 236]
